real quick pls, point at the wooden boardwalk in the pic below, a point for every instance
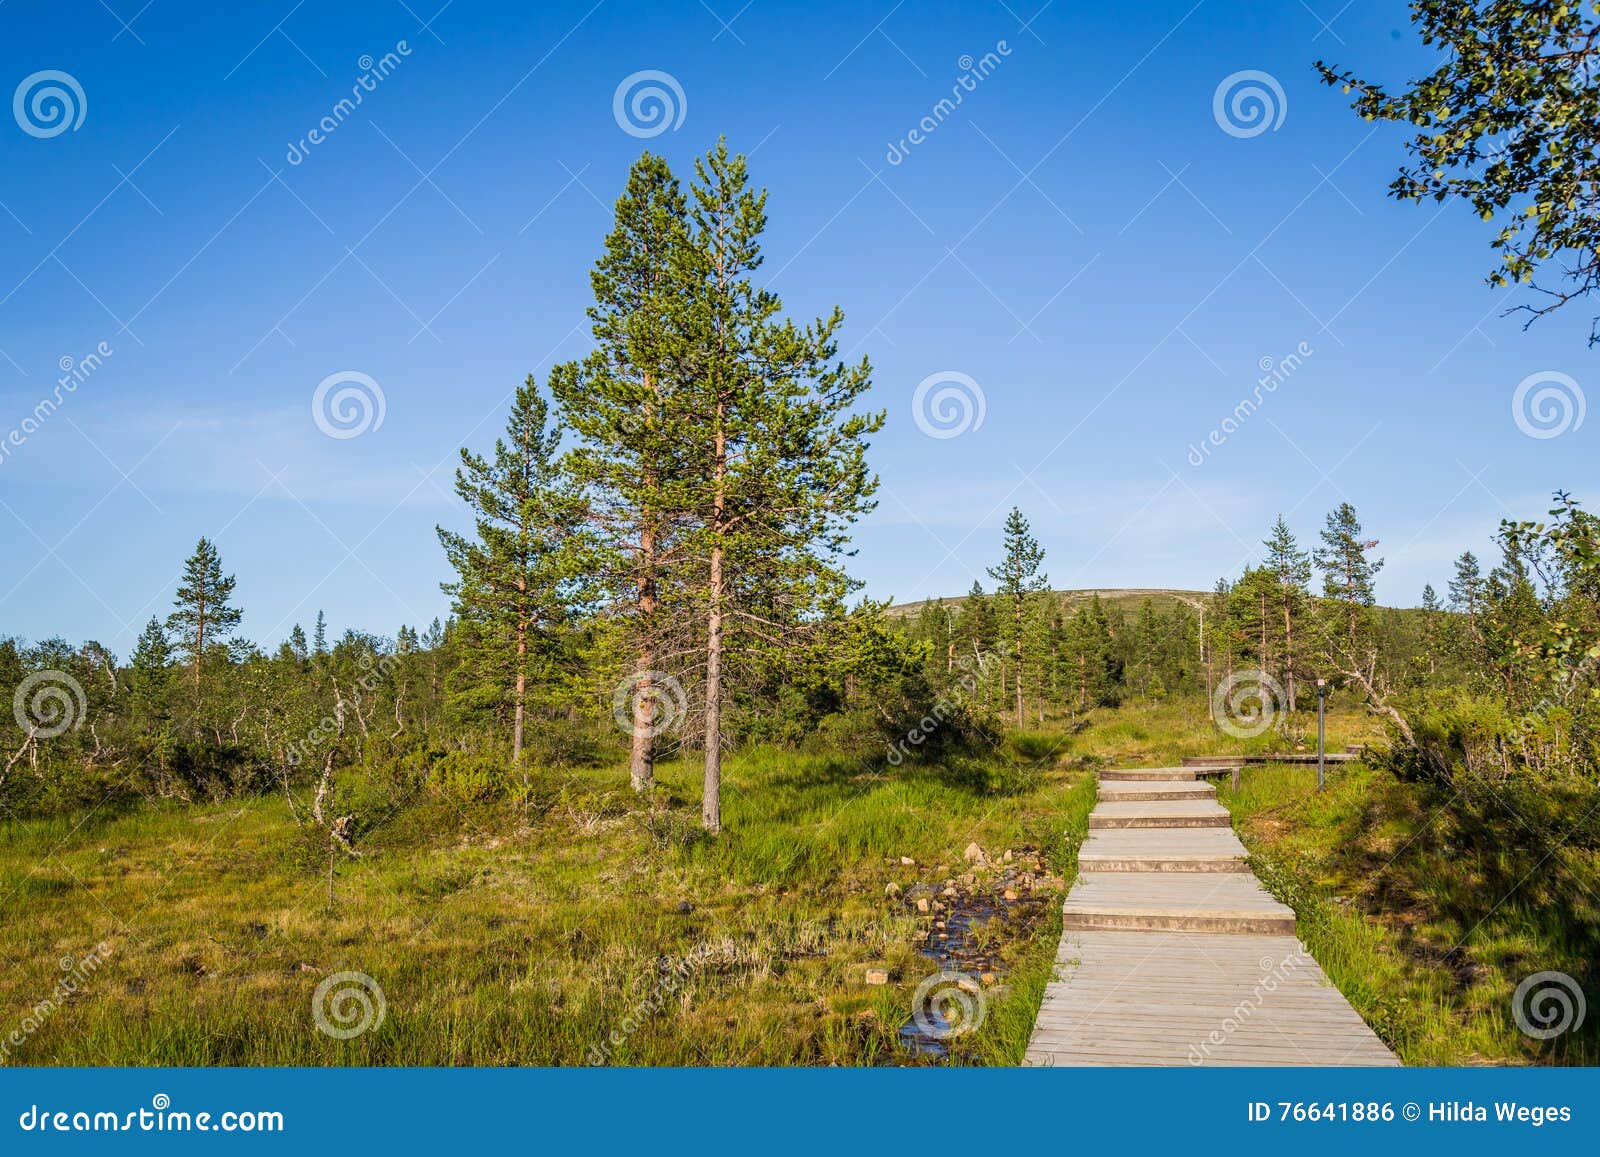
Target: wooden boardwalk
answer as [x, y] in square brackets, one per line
[1173, 954]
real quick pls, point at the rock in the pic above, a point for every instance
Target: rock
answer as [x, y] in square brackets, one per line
[967, 984]
[940, 924]
[1008, 855]
[877, 976]
[973, 854]
[922, 903]
[949, 892]
[892, 890]
[1010, 894]
[908, 861]
[684, 908]
[988, 978]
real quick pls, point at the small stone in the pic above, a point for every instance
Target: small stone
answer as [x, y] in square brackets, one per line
[684, 908]
[940, 924]
[922, 903]
[1008, 855]
[877, 976]
[908, 861]
[988, 978]
[1010, 894]
[973, 854]
[892, 890]
[949, 892]
[944, 935]
[967, 984]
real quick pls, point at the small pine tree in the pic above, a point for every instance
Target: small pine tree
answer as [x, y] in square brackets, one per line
[203, 614]
[1018, 579]
[150, 673]
[1291, 568]
[513, 576]
[1347, 576]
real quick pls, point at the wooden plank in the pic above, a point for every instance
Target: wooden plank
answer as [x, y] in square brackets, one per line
[1194, 985]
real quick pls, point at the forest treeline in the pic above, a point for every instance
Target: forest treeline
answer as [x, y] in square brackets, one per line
[656, 566]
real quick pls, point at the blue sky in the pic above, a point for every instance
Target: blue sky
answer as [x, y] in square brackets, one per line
[1081, 237]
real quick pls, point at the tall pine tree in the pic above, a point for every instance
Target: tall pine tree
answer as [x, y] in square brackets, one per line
[514, 575]
[776, 458]
[620, 403]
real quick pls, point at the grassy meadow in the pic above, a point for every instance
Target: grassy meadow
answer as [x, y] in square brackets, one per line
[531, 936]
[590, 926]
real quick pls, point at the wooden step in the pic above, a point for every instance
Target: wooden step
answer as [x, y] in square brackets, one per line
[1172, 813]
[1155, 790]
[1192, 998]
[1137, 774]
[1162, 850]
[1173, 902]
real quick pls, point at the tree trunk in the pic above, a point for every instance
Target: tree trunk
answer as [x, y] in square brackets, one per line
[711, 795]
[642, 758]
[1288, 654]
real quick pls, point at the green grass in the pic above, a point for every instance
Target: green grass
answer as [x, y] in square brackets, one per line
[505, 937]
[508, 936]
[1426, 922]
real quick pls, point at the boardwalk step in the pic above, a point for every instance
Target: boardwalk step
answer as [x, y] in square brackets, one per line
[1162, 850]
[1173, 813]
[1129, 998]
[1174, 902]
[1137, 774]
[1154, 790]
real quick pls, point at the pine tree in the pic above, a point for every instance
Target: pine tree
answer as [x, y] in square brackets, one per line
[1432, 613]
[150, 672]
[203, 614]
[776, 459]
[1018, 578]
[620, 403]
[1291, 567]
[1348, 574]
[319, 638]
[513, 576]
